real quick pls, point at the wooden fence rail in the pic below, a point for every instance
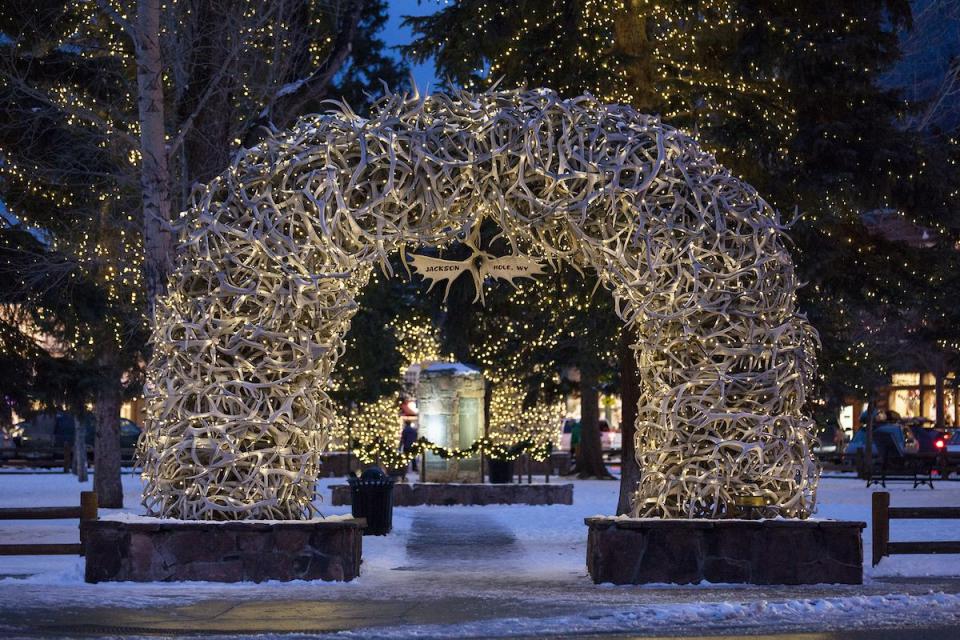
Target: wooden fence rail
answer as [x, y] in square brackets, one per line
[86, 511]
[883, 513]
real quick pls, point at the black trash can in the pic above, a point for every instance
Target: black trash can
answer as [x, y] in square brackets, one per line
[501, 471]
[372, 498]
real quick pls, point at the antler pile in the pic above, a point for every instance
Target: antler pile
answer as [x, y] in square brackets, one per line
[275, 250]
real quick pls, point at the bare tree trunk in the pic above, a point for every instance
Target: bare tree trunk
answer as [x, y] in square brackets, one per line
[632, 45]
[629, 397]
[79, 448]
[106, 446]
[154, 169]
[590, 460]
[211, 112]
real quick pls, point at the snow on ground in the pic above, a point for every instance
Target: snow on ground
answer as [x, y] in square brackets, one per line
[553, 538]
[706, 618]
[517, 554]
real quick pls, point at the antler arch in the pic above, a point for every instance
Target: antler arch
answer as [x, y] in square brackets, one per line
[276, 249]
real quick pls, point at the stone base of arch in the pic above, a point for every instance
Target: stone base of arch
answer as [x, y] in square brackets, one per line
[149, 549]
[652, 550]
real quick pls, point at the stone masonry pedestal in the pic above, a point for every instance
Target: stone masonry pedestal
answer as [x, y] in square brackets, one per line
[647, 550]
[163, 550]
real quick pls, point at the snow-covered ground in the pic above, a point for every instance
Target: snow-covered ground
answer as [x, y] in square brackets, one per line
[514, 561]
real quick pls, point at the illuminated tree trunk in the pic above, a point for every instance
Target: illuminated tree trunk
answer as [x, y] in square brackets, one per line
[629, 397]
[106, 447]
[590, 459]
[154, 170]
[633, 47]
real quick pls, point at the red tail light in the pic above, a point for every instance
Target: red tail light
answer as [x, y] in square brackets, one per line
[938, 444]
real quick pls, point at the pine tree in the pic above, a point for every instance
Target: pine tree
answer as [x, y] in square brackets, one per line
[786, 94]
[92, 176]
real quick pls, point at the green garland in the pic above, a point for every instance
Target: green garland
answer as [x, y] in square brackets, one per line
[389, 455]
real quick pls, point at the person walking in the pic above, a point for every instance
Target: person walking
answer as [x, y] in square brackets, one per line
[574, 445]
[408, 436]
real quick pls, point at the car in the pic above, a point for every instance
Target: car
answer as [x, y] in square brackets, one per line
[930, 441]
[8, 446]
[610, 439]
[912, 437]
[952, 448]
[901, 435]
[45, 435]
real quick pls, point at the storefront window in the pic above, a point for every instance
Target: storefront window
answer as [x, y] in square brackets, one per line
[929, 402]
[905, 379]
[950, 406]
[906, 402]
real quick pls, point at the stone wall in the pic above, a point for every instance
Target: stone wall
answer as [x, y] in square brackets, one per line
[449, 494]
[337, 464]
[557, 465]
[645, 550]
[174, 550]
[444, 393]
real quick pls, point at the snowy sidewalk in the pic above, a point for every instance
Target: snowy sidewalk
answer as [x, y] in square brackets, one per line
[474, 572]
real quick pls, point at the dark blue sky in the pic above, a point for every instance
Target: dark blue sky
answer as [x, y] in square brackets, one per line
[393, 34]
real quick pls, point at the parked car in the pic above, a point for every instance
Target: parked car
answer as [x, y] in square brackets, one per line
[952, 447]
[610, 439]
[8, 446]
[45, 435]
[901, 435]
[930, 441]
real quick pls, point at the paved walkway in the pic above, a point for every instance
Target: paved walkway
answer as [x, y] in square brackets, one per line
[469, 539]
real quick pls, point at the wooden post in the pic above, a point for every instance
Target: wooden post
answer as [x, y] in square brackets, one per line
[88, 511]
[423, 466]
[67, 458]
[88, 505]
[881, 525]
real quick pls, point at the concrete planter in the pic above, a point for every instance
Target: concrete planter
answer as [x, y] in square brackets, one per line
[153, 549]
[646, 550]
[449, 494]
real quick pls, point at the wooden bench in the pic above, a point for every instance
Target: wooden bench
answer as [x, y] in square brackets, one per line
[883, 513]
[86, 511]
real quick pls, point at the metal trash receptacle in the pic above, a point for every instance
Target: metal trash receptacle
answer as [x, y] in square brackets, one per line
[501, 471]
[372, 498]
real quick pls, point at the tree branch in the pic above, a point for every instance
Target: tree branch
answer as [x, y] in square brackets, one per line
[214, 84]
[121, 22]
[86, 115]
[286, 103]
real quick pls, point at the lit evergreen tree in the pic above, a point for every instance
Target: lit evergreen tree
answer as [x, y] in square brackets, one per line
[786, 94]
[75, 169]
